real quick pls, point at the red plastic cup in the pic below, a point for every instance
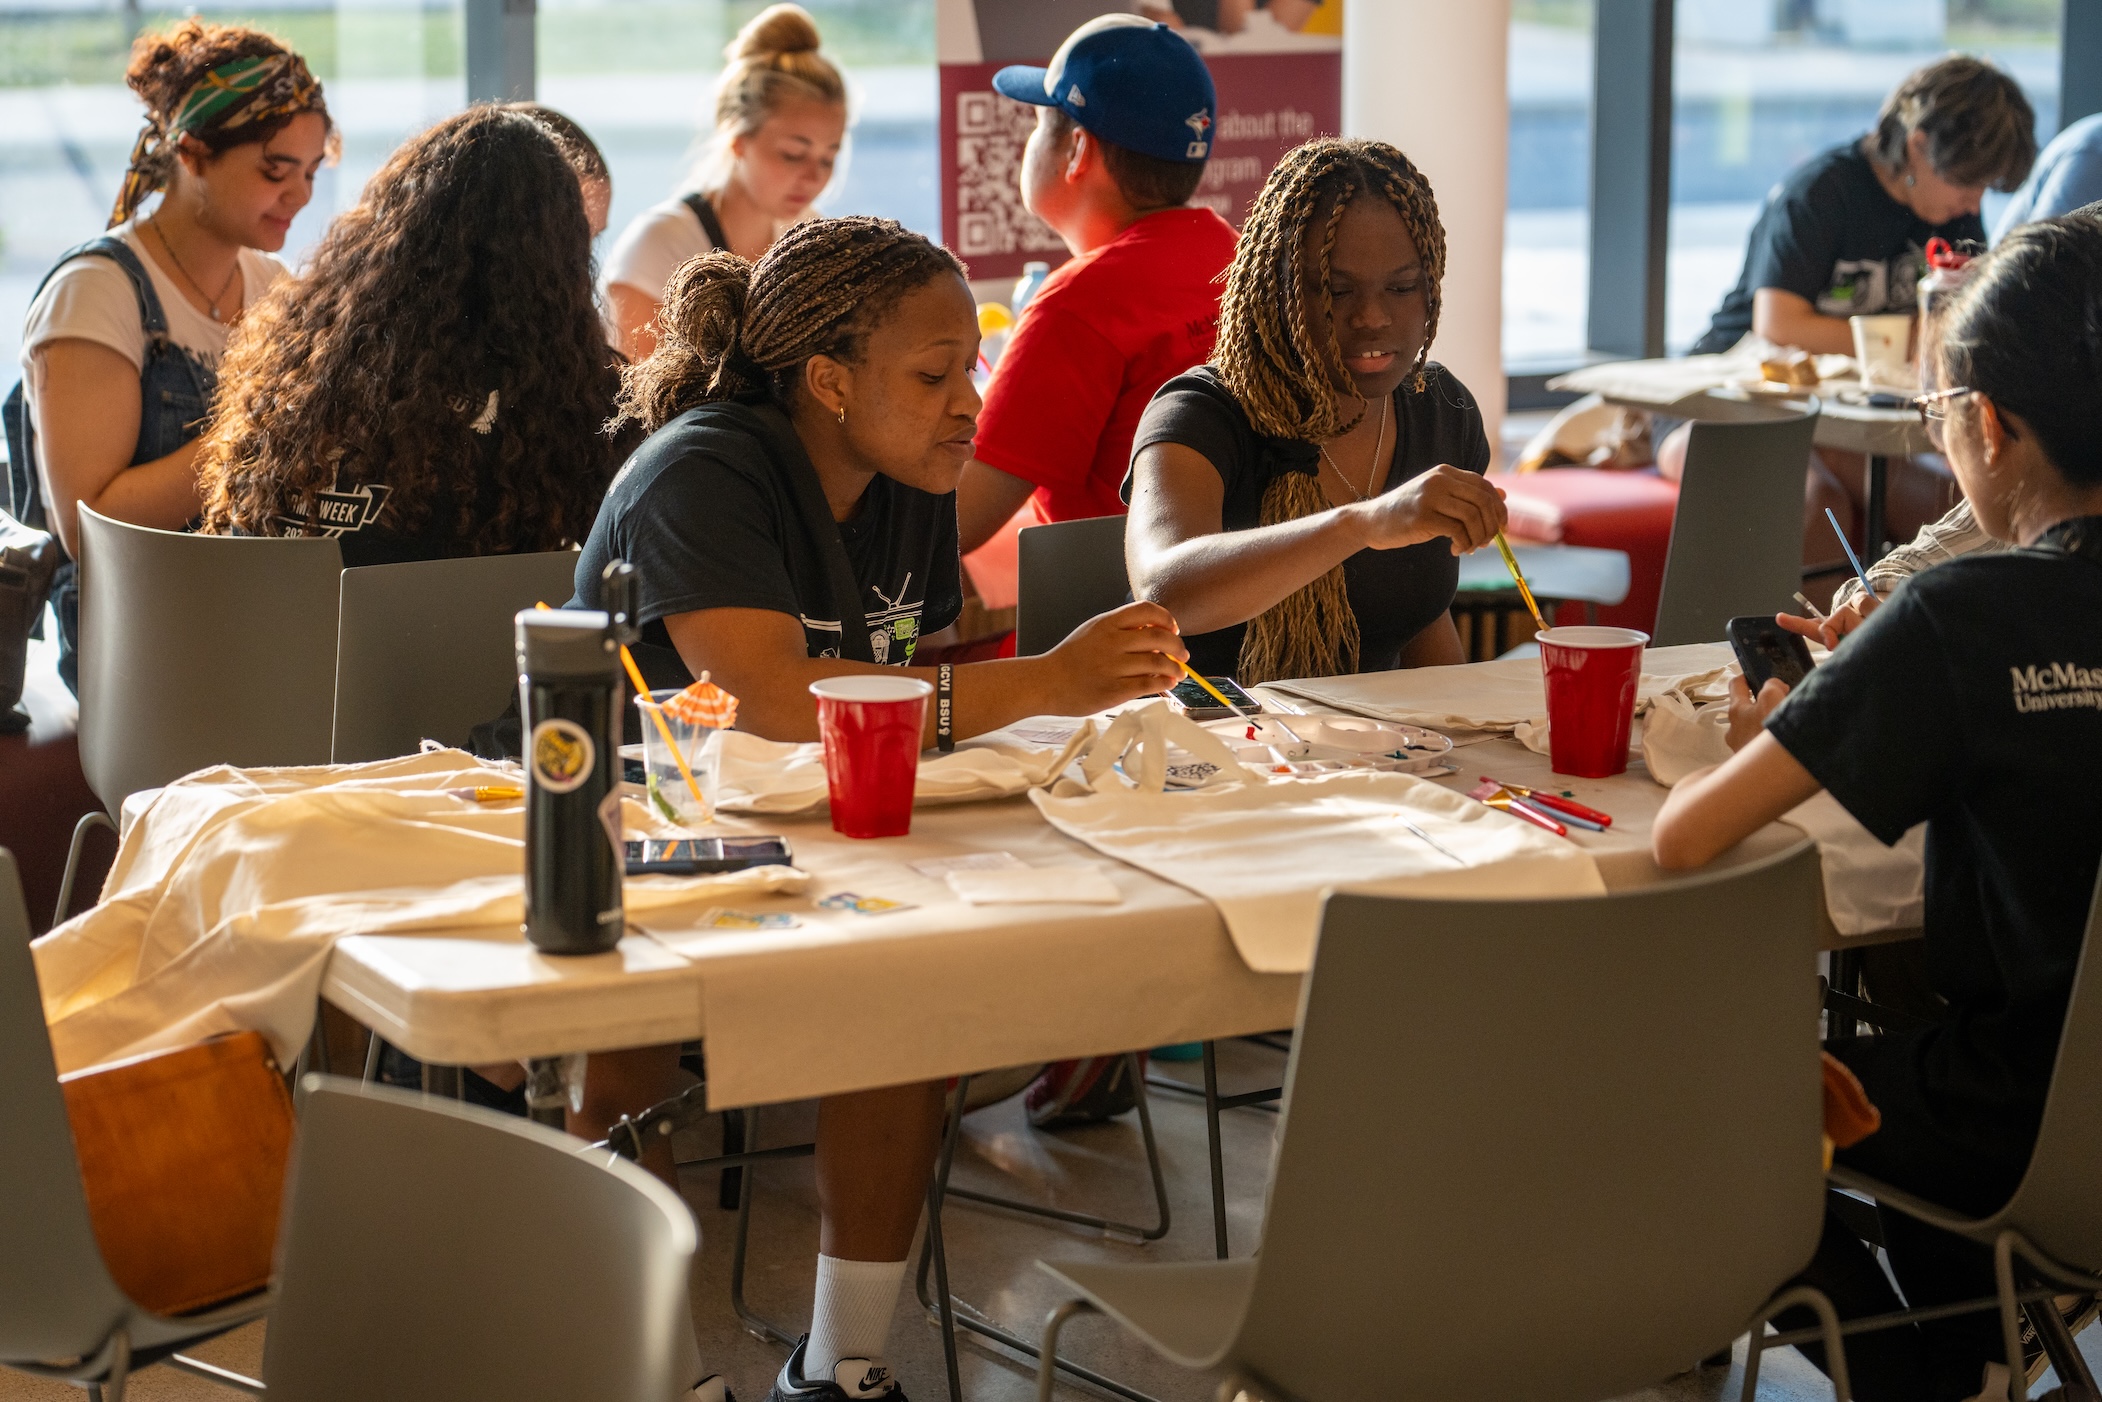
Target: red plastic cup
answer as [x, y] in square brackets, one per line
[1591, 675]
[871, 726]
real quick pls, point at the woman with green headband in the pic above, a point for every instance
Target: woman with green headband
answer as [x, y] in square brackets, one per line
[121, 345]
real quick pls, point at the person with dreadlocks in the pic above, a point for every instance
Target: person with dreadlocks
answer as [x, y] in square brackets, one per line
[121, 345]
[810, 415]
[1298, 503]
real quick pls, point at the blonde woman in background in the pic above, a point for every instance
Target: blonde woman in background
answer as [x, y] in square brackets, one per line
[780, 117]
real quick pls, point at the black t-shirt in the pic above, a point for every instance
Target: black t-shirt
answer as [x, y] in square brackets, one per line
[1395, 594]
[708, 518]
[1972, 701]
[1830, 234]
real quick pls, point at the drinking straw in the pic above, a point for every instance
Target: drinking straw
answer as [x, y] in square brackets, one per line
[642, 688]
[1852, 558]
[1525, 591]
[1216, 694]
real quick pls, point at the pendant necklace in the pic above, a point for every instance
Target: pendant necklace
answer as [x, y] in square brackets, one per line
[169, 249]
[1386, 407]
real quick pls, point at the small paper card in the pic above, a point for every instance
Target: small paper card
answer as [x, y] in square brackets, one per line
[1083, 884]
[976, 861]
[718, 918]
[862, 905]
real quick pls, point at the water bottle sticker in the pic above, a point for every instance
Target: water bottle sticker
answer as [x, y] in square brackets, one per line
[563, 755]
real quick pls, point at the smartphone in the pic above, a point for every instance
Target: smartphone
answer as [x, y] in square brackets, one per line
[1200, 705]
[697, 856]
[1766, 649]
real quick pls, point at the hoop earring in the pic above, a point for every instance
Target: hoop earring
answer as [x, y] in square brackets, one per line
[842, 418]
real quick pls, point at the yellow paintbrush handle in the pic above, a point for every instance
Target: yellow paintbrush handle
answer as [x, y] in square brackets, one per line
[1525, 591]
[627, 660]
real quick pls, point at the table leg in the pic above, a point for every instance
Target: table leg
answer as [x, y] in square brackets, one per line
[443, 1081]
[1875, 530]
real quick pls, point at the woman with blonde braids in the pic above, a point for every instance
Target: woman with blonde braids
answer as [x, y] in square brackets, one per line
[810, 415]
[121, 346]
[1298, 503]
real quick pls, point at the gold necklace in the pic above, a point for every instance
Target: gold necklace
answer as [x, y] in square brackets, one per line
[1386, 407]
[169, 249]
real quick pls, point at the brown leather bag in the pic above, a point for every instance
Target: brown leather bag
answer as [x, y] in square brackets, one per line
[183, 1154]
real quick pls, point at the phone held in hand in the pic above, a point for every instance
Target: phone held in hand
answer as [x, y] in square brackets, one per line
[699, 856]
[1200, 705]
[1765, 649]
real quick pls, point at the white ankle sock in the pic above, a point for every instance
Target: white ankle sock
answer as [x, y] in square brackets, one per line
[851, 1319]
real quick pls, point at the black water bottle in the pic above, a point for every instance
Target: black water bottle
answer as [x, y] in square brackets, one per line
[570, 684]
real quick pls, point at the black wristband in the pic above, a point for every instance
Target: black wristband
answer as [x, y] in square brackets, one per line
[944, 707]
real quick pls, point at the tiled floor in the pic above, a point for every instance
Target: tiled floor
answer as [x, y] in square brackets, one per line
[991, 1257]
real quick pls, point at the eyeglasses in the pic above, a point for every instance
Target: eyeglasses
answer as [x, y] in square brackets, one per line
[1933, 410]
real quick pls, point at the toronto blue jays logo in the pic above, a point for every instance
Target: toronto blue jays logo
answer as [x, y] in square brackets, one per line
[1199, 122]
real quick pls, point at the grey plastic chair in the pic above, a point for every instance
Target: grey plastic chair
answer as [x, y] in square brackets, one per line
[424, 650]
[57, 1301]
[1069, 572]
[2053, 1224]
[198, 650]
[1737, 539]
[433, 1249]
[1599, 1116]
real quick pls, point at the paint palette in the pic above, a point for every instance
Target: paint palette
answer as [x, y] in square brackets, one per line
[1318, 744]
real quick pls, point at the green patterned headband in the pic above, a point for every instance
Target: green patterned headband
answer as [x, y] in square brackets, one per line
[235, 94]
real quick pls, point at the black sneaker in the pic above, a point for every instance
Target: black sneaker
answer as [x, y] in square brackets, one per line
[2077, 1316]
[854, 1380]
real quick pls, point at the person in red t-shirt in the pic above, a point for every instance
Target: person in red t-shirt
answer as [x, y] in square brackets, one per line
[1124, 127]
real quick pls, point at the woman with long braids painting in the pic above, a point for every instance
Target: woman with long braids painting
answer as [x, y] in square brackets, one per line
[1299, 503]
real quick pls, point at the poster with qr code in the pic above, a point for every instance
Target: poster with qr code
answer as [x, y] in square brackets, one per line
[1276, 66]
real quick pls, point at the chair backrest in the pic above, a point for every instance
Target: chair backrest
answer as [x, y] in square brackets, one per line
[432, 1249]
[56, 1298]
[425, 649]
[1069, 572]
[1599, 1116]
[199, 650]
[1737, 537]
[2056, 1206]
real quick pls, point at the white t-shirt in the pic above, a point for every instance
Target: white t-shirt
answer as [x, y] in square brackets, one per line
[657, 243]
[91, 299]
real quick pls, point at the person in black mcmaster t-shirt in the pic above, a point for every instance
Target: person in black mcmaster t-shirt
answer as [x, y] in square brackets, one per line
[1299, 502]
[822, 398]
[1845, 234]
[1971, 701]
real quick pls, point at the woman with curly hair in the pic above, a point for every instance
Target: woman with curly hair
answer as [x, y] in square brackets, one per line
[1297, 504]
[121, 345]
[437, 383]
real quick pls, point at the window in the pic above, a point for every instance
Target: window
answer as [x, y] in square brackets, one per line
[640, 76]
[67, 121]
[1760, 87]
[1547, 224]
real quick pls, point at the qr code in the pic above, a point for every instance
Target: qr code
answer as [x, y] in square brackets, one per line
[990, 217]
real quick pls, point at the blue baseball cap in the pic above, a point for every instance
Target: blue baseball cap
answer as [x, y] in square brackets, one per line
[1129, 81]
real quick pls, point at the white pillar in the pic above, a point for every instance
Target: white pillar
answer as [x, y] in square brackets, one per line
[1429, 77]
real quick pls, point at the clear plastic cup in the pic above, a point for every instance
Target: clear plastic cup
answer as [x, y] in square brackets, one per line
[871, 726]
[1592, 675]
[670, 796]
